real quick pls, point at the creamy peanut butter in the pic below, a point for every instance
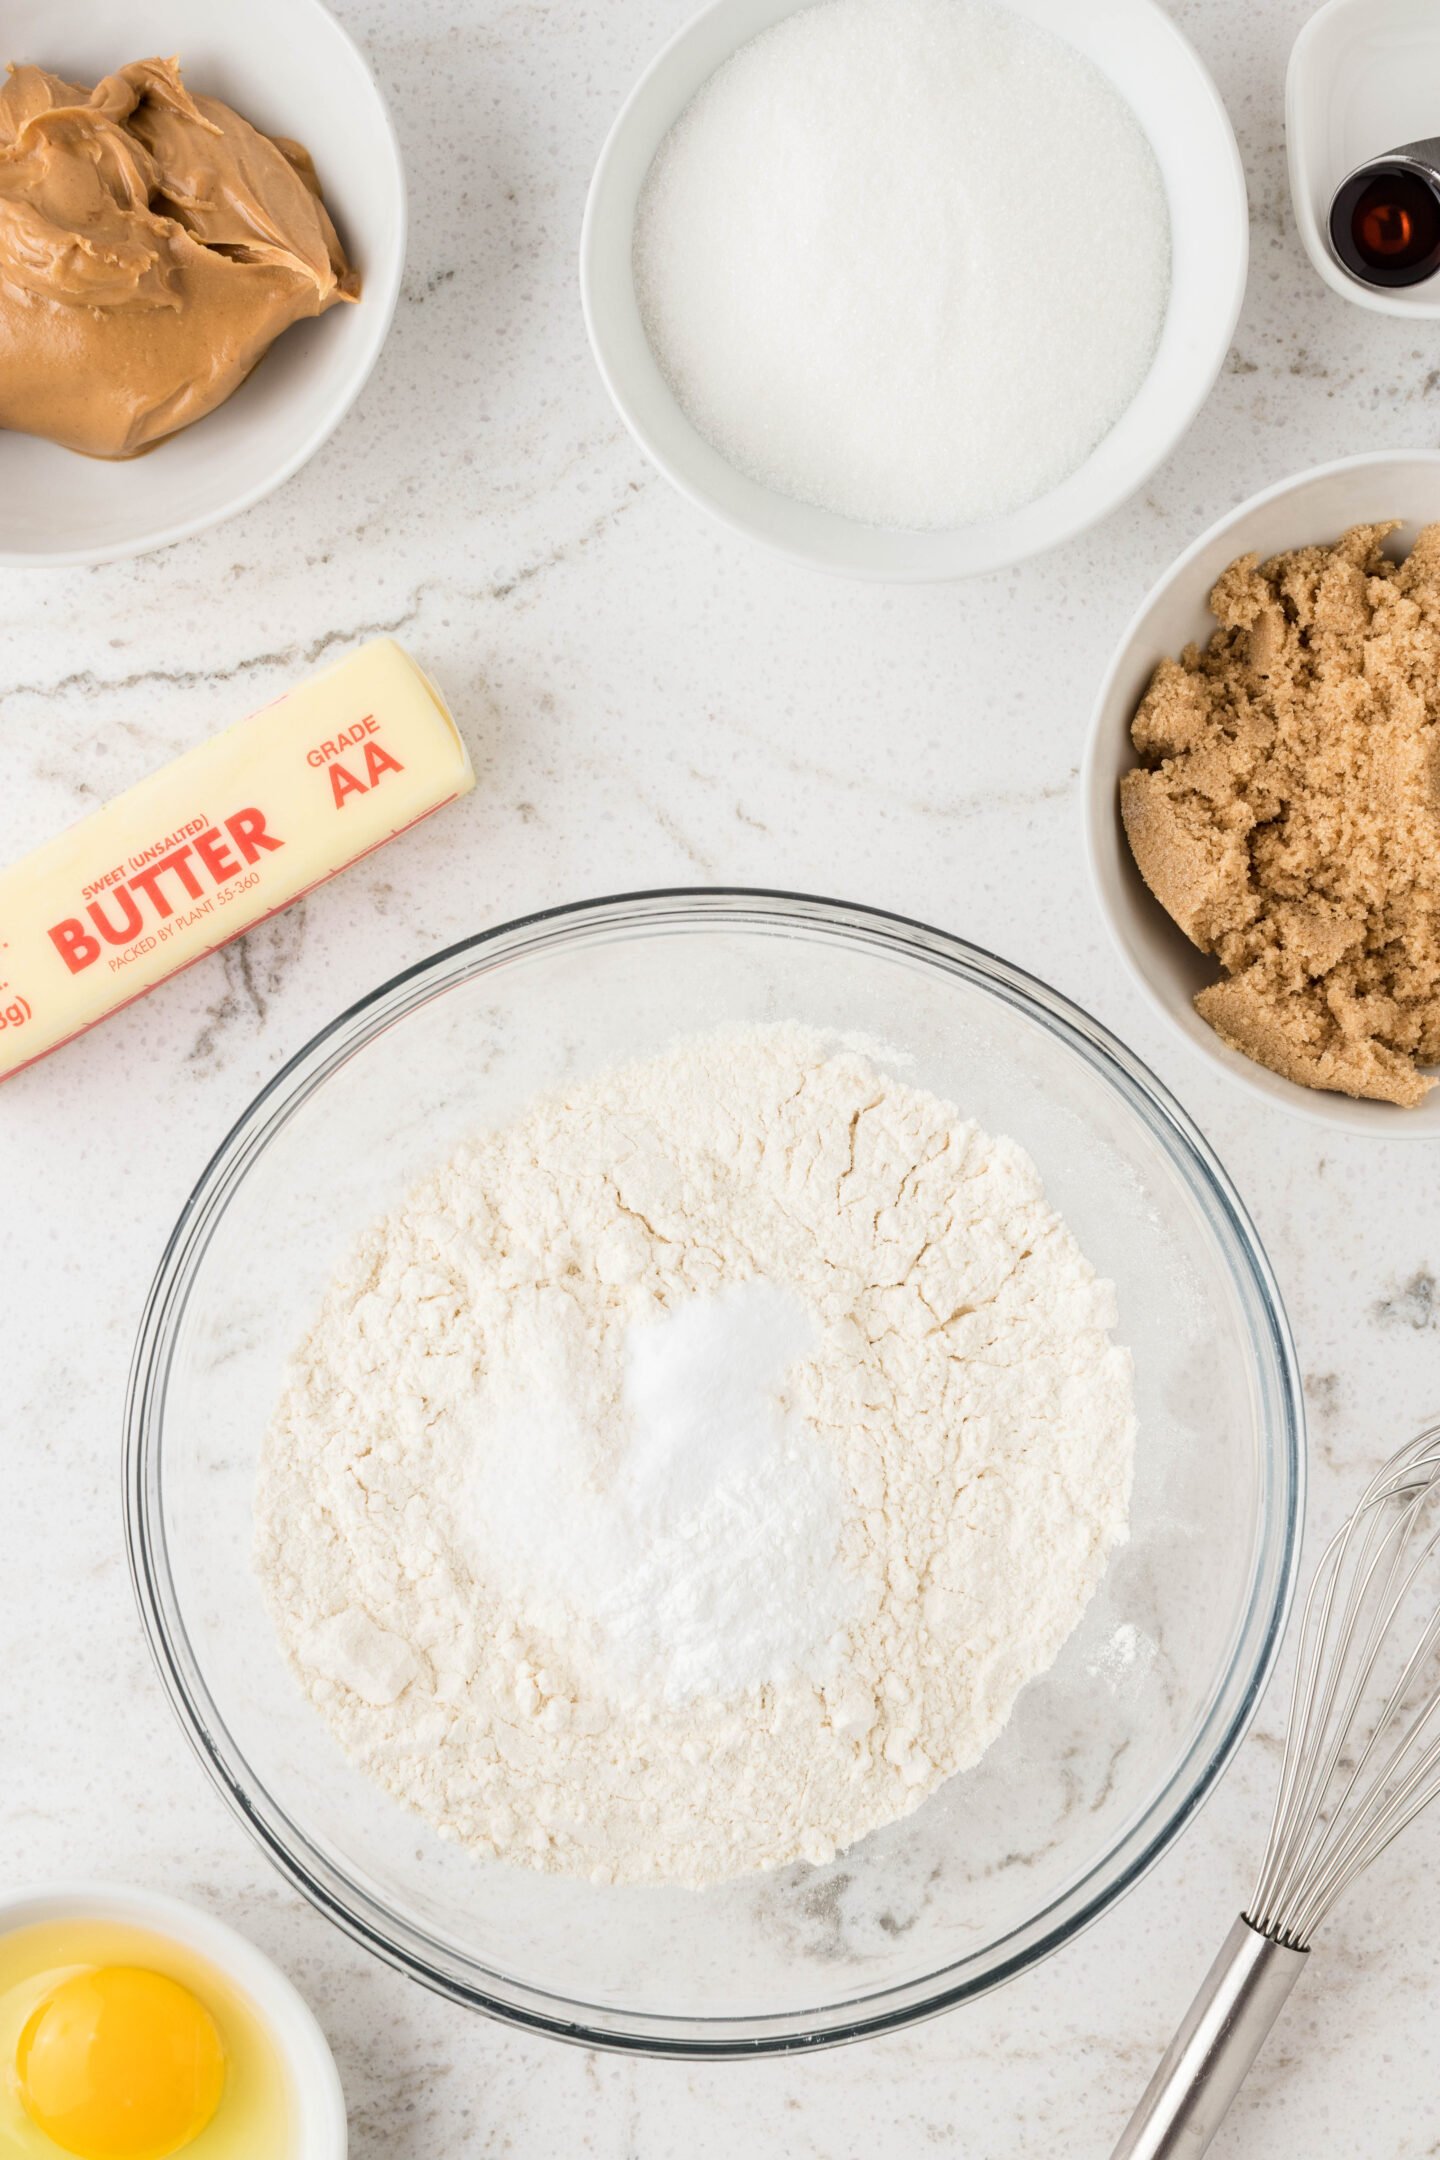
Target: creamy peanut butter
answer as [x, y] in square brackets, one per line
[153, 245]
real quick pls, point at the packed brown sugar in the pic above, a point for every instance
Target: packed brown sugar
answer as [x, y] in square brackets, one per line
[1286, 811]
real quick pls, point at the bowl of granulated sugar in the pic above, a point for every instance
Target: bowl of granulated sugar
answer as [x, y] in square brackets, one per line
[913, 289]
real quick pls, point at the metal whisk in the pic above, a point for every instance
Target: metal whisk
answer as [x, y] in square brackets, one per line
[1362, 1758]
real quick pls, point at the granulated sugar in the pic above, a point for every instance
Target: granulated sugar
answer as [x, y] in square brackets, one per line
[905, 259]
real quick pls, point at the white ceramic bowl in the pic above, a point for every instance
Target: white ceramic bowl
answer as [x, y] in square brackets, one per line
[1133, 43]
[288, 66]
[321, 2132]
[1362, 80]
[1315, 505]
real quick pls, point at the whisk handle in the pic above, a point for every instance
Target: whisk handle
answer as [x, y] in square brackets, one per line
[1210, 2056]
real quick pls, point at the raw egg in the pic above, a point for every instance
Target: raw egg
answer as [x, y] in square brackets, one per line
[121, 2064]
[116, 2044]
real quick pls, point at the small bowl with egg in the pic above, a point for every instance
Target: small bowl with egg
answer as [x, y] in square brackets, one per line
[803, 366]
[239, 319]
[134, 2027]
[1311, 509]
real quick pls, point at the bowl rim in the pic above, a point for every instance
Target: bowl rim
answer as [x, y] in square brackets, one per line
[1315, 47]
[389, 282]
[292, 2025]
[1338, 1113]
[1003, 554]
[1141, 1842]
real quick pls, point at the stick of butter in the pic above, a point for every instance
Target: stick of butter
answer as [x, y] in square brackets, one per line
[230, 832]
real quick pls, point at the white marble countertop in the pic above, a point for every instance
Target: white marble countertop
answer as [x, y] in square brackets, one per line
[649, 703]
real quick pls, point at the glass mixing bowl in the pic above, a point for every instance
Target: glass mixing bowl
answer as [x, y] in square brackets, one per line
[1105, 1757]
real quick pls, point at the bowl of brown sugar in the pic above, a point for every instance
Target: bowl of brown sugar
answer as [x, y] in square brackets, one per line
[1262, 794]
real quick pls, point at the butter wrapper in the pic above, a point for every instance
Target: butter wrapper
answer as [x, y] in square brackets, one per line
[229, 833]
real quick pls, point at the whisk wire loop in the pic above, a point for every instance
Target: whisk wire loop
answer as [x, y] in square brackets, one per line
[1306, 1771]
[1375, 1825]
[1352, 1777]
[1288, 1891]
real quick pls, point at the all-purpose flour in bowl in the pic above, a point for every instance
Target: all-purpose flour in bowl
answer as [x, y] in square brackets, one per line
[687, 1477]
[906, 260]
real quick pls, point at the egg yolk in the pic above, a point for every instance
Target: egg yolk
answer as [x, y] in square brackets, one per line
[121, 2064]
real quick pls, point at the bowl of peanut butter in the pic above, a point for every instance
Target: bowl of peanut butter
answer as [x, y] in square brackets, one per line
[202, 232]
